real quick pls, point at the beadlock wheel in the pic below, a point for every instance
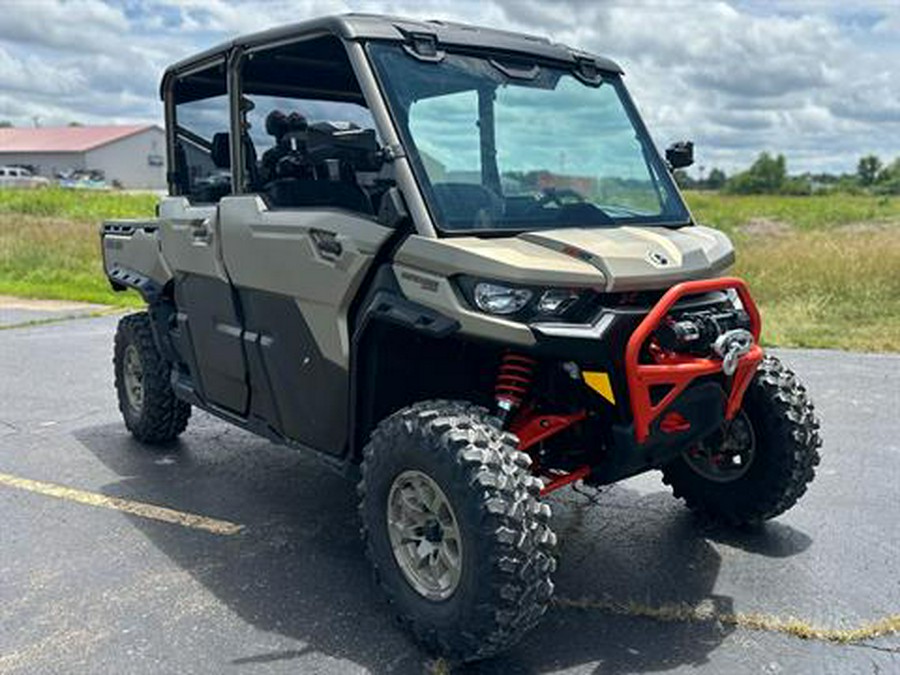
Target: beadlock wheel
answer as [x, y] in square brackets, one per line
[424, 535]
[149, 407]
[728, 455]
[776, 441]
[133, 374]
[455, 529]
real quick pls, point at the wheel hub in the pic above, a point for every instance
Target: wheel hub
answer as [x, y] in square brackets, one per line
[424, 535]
[727, 455]
[434, 532]
[133, 376]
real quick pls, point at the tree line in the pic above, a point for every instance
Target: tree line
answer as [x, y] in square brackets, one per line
[769, 175]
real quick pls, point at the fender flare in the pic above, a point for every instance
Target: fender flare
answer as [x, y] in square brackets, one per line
[384, 301]
[121, 278]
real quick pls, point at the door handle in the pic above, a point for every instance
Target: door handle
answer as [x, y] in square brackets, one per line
[326, 243]
[200, 231]
[199, 227]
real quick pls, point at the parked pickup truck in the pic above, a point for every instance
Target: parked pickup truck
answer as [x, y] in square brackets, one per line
[20, 177]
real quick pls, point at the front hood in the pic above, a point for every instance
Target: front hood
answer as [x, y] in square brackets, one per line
[609, 259]
[641, 258]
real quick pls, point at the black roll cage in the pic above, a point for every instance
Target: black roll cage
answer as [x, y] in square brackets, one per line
[353, 31]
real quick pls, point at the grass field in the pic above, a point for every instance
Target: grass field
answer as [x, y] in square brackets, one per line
[818, 212]
[50, 246]
[824, 269]
[79, 205]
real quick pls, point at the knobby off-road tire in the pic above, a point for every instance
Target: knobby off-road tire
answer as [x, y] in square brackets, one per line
[148, 404]
[504, 584]
[785, 455]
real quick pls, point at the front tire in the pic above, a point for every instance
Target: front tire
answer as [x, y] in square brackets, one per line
[762, 466]
[147, 401]
[442, 485]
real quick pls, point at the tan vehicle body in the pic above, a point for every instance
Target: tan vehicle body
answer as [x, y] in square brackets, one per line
[464, 341]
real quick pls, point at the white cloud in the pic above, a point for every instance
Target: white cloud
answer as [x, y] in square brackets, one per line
[815, 80]
[76, 24]
[27, 75]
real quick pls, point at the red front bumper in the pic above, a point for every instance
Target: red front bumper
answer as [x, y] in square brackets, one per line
[677, 371]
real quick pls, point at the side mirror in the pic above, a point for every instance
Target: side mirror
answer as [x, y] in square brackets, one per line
[680, 155]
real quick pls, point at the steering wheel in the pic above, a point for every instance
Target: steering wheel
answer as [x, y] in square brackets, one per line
[560, 197]
[572, 206]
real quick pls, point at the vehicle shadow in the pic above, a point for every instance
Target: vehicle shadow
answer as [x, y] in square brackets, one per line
[623, 557]
[298, 569]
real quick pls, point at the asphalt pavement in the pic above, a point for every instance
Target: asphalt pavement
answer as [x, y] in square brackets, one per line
[277, 580]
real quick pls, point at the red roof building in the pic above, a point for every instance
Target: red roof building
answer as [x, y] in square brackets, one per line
[131, 155]
[64, 139]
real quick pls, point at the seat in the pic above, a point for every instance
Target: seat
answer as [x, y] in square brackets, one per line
[298, 192]
[220, 152]
[220, 155]
[467, 204]
[296, 175]
[289, 132]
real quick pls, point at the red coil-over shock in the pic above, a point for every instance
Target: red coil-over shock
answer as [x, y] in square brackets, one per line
[513, 383]
[514, 379]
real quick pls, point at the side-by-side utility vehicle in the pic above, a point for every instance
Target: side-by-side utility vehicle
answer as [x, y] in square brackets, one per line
[451, 261]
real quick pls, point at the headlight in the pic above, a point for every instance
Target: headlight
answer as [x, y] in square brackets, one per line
[497, 299]
[528, 303]
[556, 301]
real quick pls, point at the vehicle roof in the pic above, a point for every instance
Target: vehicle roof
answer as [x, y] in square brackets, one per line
[383, 27]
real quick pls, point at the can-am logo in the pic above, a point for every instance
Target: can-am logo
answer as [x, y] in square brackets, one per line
[657, 258]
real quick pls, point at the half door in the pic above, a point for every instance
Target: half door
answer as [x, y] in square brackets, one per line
[298, 242]
[207, 333]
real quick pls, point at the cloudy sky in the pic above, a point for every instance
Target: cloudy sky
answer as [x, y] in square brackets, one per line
[819, 81]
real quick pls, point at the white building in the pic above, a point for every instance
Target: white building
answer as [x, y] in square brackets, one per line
[132, 156]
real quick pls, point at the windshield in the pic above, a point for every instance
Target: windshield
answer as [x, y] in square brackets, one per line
[513, 146]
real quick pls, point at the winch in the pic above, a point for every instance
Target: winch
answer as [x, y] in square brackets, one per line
[732, 345]
[697, 332]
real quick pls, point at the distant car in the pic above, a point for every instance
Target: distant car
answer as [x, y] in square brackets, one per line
[19, 177]
[83, 179]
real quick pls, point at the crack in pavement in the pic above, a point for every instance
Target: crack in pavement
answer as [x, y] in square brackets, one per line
[877, 648]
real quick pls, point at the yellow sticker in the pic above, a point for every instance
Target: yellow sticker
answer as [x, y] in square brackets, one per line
[600, 383]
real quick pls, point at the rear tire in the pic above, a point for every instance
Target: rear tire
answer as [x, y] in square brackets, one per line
[147, 401]
[502, 584]
[785, 436]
